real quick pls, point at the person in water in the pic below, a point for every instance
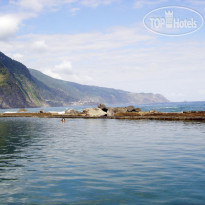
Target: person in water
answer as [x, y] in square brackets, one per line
[63, 120]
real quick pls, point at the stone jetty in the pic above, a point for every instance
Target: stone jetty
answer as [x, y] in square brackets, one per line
[129, 112]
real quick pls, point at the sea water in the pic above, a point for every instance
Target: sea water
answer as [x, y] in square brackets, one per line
[101, 161]
[161, 107]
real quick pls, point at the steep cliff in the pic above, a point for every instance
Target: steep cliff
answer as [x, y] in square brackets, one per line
[21, 87]
[17, 88]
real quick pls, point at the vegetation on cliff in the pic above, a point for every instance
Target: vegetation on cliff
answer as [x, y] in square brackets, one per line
[17, 89]
[21, 87]
[59, 91]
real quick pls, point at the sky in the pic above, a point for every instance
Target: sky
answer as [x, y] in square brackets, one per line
[105, 43]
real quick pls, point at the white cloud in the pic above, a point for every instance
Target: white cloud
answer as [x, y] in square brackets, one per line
[25, 9]
[17, 56]
[141, 3]
[38, 5]
[124, 58]
[95, 3]
[202, 92]
[9, 25]
[34, 5]
[52, 74]
[64, 68]
[73, 11]
[39, 46]
[64, 71]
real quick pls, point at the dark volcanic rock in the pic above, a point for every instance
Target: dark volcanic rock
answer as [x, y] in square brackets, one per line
[103, 107]
[125, 109]
[130, 108]
[98, 113]
[189, 112]
[120, 109]
[137, 110]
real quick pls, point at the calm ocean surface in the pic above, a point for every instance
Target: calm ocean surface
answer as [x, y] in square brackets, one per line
[101, 161]
[161, 107]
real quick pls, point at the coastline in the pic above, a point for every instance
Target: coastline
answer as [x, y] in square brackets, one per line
[185, 116]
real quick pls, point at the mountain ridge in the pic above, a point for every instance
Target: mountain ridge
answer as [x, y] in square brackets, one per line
[86, 94]
[23, 87]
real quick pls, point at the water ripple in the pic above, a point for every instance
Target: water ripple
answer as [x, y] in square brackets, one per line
[101, 161]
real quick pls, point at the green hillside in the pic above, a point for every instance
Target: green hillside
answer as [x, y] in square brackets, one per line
[83, 94]
[17, 88]
[21, 87]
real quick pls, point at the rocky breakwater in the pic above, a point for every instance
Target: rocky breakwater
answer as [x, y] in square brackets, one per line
[129, 112]
[115, 111]
[103, 111]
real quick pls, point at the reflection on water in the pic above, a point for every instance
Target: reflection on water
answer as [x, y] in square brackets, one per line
[15, 134]
[99, 161]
